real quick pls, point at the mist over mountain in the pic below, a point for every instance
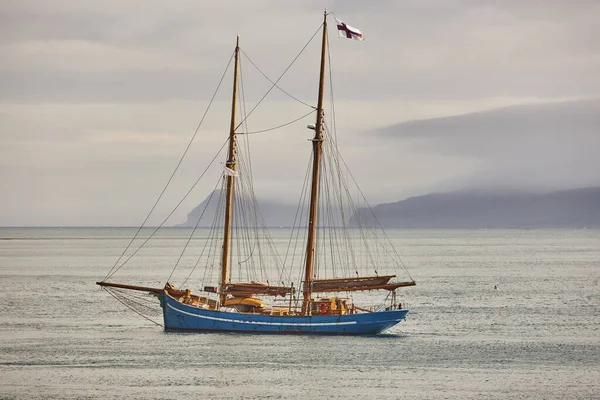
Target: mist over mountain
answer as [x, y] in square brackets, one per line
[577, 208]
[274, 213]
[533, 166]
[535, 147]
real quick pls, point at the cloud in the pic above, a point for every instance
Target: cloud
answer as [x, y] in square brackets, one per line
[541, 146]
[419, 50]
[99, 99]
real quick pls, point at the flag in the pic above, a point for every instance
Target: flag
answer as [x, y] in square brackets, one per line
[230, 172]
[348, 32]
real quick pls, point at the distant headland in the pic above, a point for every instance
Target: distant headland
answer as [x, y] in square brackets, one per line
[465, 209]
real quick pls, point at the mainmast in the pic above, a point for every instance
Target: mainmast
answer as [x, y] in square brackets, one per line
[229, 195]
[317, 148]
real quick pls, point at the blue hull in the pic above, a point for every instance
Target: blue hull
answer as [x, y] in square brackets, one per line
[182, 317]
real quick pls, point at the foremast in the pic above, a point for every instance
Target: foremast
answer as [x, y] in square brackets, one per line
[314, 193]
[230, 164]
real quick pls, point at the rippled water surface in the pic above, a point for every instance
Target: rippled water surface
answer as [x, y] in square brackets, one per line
[535, 337]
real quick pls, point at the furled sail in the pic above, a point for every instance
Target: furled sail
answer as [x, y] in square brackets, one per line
[357, 283]
[256, 288]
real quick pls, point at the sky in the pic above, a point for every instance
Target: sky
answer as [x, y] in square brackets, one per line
[99, 100]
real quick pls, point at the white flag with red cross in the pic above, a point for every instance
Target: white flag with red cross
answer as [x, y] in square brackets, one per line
[348, 32]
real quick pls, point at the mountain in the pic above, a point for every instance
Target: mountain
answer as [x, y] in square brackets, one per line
[576, 208]
[275, 214]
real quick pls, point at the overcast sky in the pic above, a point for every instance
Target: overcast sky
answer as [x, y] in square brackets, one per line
[99, 99]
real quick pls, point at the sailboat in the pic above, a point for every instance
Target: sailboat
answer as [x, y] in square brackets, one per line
[324, 303]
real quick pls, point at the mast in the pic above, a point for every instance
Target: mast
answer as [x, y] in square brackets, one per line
[229, 195]
[317, 148]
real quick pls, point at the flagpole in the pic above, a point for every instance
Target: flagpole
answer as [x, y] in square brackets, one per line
[317, 148]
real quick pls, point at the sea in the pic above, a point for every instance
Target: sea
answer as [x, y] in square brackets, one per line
[496, 314]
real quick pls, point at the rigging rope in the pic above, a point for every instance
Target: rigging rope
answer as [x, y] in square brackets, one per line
[275, 83]
[110, 273]
[331, 96]
[281, 76]
[336, 205]
[130, 307]
[214, 240]
[207, 242]
[192, 234]
[171, 213]
[277, 127]
[338, 154]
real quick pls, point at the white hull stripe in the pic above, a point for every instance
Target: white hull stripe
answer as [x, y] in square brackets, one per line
[238, 321]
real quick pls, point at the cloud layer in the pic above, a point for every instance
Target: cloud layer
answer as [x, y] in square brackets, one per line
[99, 99]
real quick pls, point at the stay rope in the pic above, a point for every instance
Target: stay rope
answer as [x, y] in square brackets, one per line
[120, 300]
[275, 83]
[281, 76]
[112, 270]
[277, 127]
[170, 214]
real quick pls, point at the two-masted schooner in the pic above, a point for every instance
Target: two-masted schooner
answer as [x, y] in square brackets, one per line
[323, 305]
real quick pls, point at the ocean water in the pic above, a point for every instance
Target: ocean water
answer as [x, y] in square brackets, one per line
[537, 336]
